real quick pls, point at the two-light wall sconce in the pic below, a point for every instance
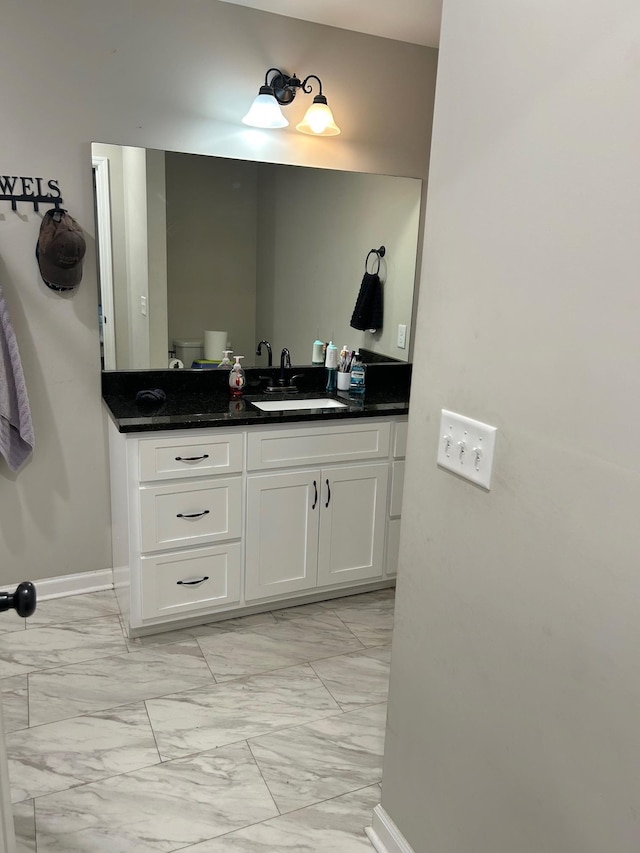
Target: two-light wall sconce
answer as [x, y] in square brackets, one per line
[280, 91]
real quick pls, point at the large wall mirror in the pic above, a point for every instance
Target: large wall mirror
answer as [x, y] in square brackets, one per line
[190, 243]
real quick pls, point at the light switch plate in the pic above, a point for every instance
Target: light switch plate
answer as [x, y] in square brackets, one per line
[466, 447]
[402, 336]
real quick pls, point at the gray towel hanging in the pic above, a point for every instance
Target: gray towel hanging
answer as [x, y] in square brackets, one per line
[16, 428]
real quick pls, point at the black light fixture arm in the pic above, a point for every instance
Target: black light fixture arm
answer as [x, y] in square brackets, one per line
[266, 76]
[284, 86]
[306, 86]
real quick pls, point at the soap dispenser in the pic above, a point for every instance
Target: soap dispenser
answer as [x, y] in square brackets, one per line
[237, 378]
[226, 363]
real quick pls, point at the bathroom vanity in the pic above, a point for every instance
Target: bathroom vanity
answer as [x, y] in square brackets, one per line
[220, 508]
[234, 510]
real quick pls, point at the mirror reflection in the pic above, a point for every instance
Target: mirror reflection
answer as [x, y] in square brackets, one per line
[192, 245]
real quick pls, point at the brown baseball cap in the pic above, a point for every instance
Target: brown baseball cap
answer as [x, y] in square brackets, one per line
[60, 250]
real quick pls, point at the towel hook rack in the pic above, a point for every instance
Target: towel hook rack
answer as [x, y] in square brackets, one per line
[15, 189]
[35, 200]
[379, 253]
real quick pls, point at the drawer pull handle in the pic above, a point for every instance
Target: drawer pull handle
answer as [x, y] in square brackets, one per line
[192, 458]
[194, 582]
[192, 514]
[315, 500]
[328, 494]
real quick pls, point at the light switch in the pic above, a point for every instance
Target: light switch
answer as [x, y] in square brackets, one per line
[466, 447]
[143, 306]
[402, 336]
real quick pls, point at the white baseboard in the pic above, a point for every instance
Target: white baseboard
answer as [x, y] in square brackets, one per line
[385, 835]
[74, 584]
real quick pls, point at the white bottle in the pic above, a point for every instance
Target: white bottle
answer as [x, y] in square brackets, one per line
[318, 354]
[331, 358]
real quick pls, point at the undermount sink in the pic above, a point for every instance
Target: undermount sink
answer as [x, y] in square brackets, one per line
[294, 405]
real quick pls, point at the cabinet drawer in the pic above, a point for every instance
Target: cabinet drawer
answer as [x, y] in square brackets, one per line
[397, 485]
[400, 439]
[190, 513]
[318, 445]
[172, 458]
[166, 590]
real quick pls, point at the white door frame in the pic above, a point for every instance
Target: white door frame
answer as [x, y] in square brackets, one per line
[7, 831]
[105, 260]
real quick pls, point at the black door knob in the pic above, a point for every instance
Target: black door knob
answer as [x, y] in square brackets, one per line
[23, 600]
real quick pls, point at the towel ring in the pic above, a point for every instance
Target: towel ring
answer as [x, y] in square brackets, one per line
[379, 253]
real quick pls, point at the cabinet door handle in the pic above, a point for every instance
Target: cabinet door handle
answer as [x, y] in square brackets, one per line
[192, 514]
[194, 582]
[315, 499]
[192, 458]
[328, 494]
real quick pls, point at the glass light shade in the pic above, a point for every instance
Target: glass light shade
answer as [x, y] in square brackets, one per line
[265, 112]
[318, 119]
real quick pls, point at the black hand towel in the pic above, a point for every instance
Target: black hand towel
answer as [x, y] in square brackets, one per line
[368, 311]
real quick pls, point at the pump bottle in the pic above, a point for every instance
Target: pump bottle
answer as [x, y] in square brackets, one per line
[237, 378]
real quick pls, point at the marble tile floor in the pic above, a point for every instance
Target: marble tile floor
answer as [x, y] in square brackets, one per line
[260, 733]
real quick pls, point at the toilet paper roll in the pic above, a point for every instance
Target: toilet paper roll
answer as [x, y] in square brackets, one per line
[215, 343]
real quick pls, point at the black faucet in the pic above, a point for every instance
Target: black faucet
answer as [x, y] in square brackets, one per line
[284, 382]
[268, 346]
[285, 361]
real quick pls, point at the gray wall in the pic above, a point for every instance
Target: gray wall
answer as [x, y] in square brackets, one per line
[211, 249]
[515, 689]
[316, 229]
[155, 74]
[157, 252]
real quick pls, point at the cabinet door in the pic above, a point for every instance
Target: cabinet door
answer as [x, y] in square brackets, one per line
[282, 533]
[353, 514]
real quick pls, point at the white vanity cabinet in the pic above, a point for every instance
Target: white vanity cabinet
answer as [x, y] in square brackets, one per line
[177, 523]
[315, 527]
[213, 520]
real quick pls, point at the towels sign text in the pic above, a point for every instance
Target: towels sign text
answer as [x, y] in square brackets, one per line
[35, 191]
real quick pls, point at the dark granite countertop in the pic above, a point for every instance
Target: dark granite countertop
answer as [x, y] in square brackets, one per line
[196, 399]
